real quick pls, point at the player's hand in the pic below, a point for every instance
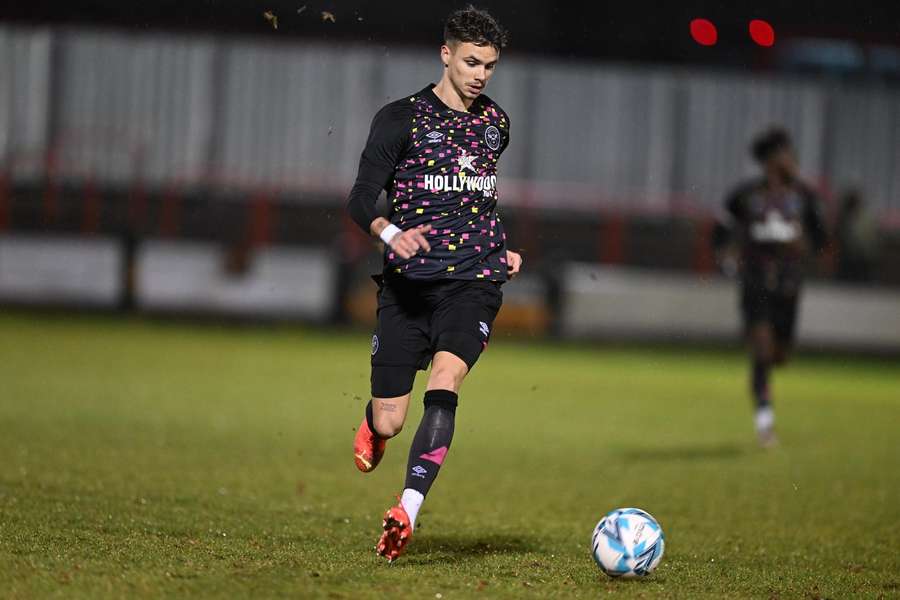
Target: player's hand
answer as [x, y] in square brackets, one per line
[728, 264]
[407, 244]
[513, 263]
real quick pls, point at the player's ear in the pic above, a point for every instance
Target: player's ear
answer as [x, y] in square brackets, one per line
[445, 55]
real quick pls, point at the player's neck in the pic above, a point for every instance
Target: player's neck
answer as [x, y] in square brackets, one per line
[450, 96]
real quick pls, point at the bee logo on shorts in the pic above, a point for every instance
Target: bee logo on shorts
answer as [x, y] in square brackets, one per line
[374, 344]
[483, 327]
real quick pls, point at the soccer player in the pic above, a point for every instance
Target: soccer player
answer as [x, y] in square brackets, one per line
[774, 219]
[435, 153]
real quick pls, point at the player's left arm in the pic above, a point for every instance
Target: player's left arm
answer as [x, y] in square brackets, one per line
[813, 222]
[513, 259]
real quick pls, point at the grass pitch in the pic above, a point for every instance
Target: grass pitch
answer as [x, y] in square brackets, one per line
[165, 460]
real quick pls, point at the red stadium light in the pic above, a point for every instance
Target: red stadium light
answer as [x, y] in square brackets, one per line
[704, 32]
[762, 33]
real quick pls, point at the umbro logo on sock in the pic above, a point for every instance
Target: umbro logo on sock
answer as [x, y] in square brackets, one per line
[419, 471]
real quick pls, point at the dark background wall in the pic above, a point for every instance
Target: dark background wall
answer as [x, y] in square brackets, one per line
[631, 31]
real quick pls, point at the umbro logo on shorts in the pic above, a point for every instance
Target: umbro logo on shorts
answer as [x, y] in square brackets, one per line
[483, 327]
[374, 344]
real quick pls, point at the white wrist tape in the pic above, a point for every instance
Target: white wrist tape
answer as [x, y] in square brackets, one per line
[388, 233]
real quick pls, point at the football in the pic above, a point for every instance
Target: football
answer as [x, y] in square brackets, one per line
[627, 542]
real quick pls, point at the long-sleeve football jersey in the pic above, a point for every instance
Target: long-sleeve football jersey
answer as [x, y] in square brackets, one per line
[439, 168]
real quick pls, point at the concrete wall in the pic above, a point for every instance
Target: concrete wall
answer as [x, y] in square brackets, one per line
[609, 303]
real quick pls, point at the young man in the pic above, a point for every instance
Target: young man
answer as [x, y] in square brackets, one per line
[435, 152]
[773, 219]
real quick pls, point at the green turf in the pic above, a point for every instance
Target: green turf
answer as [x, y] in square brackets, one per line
[143, 459]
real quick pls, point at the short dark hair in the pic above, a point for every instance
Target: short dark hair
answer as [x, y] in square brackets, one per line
[475, 26]
[769, 142]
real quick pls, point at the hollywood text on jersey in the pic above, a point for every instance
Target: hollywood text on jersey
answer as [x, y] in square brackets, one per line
[462, 183]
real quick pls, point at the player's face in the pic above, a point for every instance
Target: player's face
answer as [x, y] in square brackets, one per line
[784, 163]
[469, 67]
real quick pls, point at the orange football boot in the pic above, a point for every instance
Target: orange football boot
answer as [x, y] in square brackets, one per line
[397, 533]
[368, 448]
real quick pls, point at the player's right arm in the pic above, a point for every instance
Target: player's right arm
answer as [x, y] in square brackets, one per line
[724, 231]
[388, 141]
[405, 243]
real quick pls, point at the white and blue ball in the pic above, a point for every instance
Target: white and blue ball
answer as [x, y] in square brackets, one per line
[627, 542]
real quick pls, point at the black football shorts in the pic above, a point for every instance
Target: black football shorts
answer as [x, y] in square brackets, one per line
[775, 307]
[416, 319]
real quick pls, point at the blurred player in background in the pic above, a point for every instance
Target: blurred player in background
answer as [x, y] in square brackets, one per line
[856, 237]
[772, 221]
[435, 152]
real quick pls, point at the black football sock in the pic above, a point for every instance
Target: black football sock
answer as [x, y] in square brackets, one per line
[432, 440]
[370, 419]
[760, 383]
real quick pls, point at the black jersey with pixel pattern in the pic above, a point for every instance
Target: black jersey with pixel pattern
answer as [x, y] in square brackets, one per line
[774, 229]
[439, 168]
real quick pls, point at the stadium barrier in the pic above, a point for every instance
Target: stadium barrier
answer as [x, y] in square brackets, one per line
[602, 302]
[61, 270]
[312, 284]
[270, 282]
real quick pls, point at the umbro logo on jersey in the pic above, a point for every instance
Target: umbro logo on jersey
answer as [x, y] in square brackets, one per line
[435, 136]
[492, 137]
[483, 327]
